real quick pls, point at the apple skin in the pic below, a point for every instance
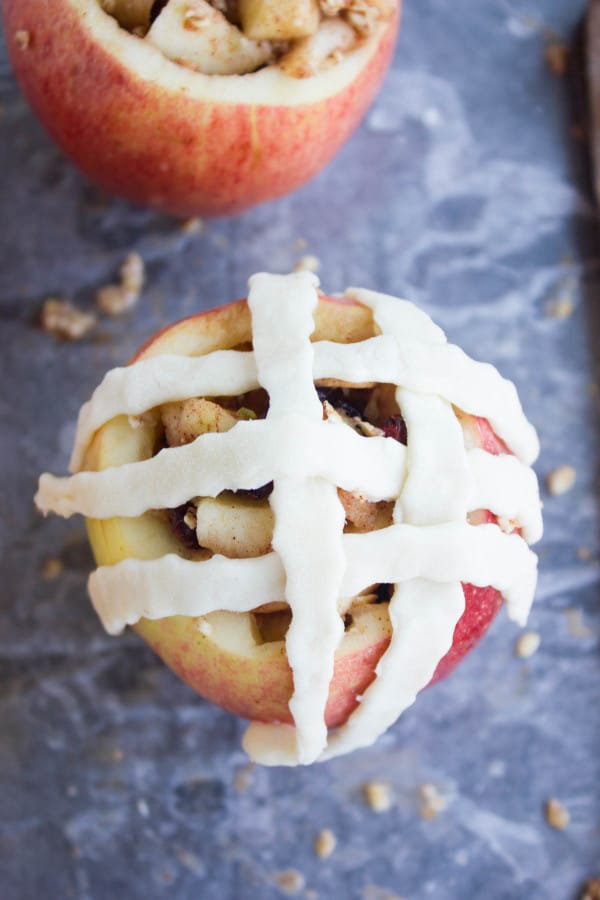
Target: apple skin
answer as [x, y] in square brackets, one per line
[156, 144]
[256, 683]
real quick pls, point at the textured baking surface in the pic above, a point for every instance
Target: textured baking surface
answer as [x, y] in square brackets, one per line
[467, 190]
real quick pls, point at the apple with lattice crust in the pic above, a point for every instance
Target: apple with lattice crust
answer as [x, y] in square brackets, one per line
[200, 107]
[249, 458]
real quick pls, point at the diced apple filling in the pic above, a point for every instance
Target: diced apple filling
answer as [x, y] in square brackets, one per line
[240, 524]
[236, 37]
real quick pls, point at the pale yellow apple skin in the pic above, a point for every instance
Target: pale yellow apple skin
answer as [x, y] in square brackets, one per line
[152, 138]
[218, 655]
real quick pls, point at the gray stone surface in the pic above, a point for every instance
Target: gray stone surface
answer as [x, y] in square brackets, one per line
[465, 190]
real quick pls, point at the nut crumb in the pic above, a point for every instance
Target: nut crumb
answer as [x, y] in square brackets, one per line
[378, 795]
[584, 553]
[190, 861]
[62, 319]
[575, 624]
[325, 843]
[243, 778]
[561, 480]
[290, 881]
[23, 39]
[308, 263]
[557, 815]
[560, 308]
[117, 299]
[431, 801]
[527, 644]
[52, 568]
[591, 890]
[143, 808]
[192, 226]
[557, 58]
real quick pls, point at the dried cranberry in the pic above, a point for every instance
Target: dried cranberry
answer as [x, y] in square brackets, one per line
[395, 427]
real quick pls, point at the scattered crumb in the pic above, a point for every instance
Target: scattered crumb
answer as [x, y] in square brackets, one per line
[527, 644]
[243, 778]
[378, 795]
[560, 308]
[310, 894]
[325, 843]
[23, 39]
[584, 553]
[167, 876]
[117, 299]
[557, 58]
[575, 624]
[203, 626]
[561, 480]
[52, 568]
[222, 242]
[300, 244]
[431, 801]
[290, 881]
[308, 263]
[143, 808]
[72, 790]
[557, 816]
[190, 861]
[592, 890]
[116, 755]
[62, 319]
[192, 226]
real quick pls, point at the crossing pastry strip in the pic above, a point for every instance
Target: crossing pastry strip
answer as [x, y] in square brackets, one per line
[434, 482]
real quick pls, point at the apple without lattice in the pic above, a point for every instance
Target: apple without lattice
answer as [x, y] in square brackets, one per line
[196, 107]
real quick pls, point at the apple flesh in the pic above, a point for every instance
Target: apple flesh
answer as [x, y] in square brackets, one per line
[153, 131]
[238, 660]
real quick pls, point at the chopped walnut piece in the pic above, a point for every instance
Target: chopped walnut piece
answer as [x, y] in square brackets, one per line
[557, 58]
[325, 843]
[365, 15]
[431, 801]
[192, 226]
[560, 308]
[52, 568]
[61, 318]
[527, 644]
[561, 480]
[592, 890]
[557, 815]
[290, 881]
[117, 299]
[313, 54]
[378, 795]
[23, 39]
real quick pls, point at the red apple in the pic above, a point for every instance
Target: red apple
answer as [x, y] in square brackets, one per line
[228, 657]
[160, 134]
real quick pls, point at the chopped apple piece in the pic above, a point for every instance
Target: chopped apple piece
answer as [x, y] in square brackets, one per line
[279, 20]
[195, 34]
[311, 55]
[129, 14]
[185, 421]
[234, 527]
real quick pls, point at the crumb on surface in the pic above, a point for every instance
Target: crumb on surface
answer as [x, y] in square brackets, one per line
[190, 861]
[378, 795]
[592, 890]
[308, 263]
[62, 319]
[23, 39]
[51, 568]
[527, 644]
[561, 480]
[557, 815]
[584, 553]
[243, 778]
[117, 299]
[325, 843]
[557, 57]
[431, 801]
[575, 624]
[560, 308]
[289, 881]
[192, 226]
[143, 808]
